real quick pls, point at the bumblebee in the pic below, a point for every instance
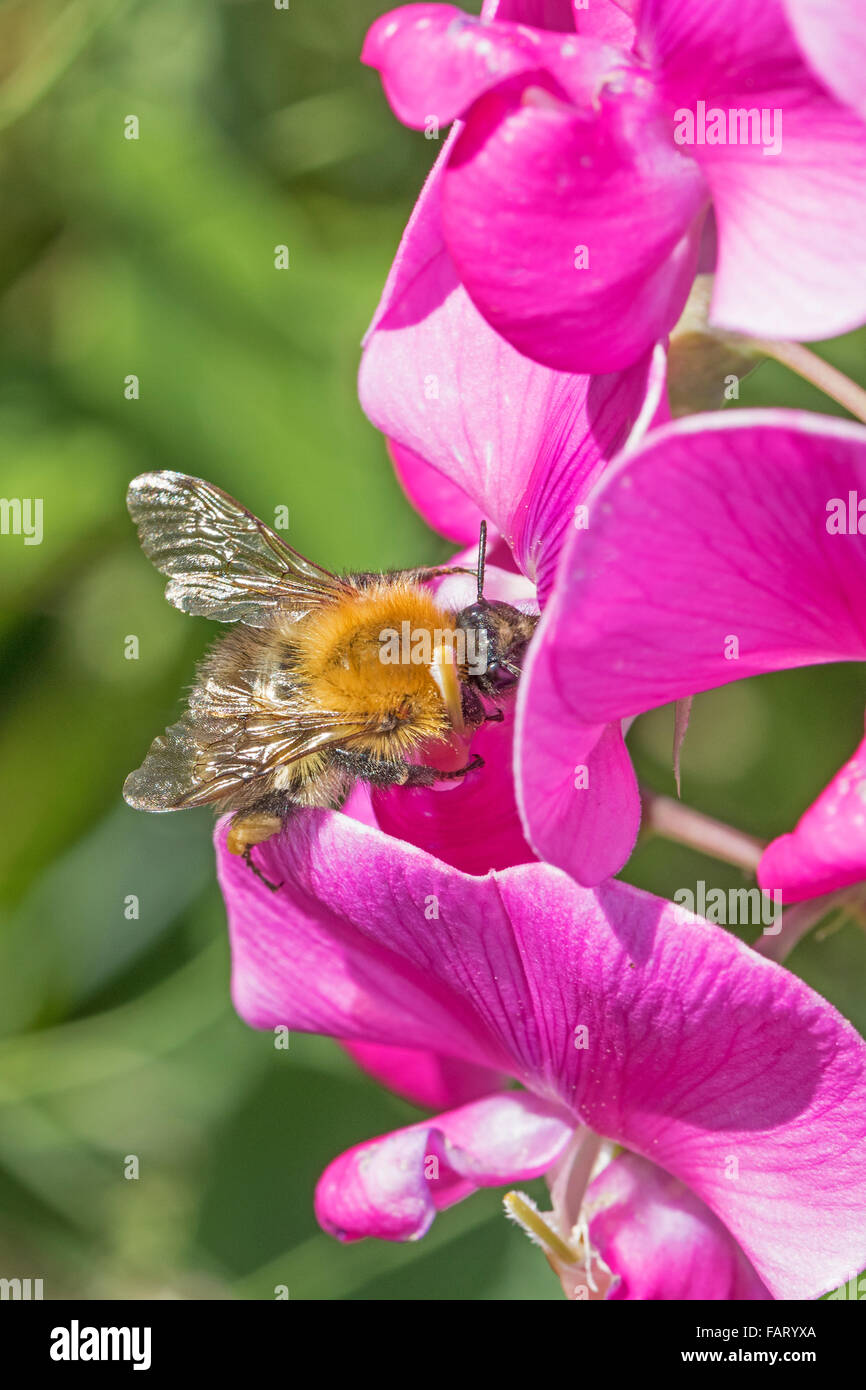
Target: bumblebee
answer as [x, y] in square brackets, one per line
[324, 679]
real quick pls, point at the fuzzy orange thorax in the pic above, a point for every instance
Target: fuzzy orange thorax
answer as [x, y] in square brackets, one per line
[346, 656]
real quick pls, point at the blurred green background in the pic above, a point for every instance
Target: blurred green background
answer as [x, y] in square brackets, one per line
[258, 127]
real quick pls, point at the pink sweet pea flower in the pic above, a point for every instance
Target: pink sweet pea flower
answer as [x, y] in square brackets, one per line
[768, 573]
[576, 189]
[737, 1092]
[476, 429]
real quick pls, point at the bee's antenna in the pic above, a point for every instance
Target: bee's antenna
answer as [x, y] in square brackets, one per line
[482, 556]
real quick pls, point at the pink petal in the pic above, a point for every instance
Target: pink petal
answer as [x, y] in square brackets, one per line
[833, 40]
[576, 239]
[392, 1187]
[299, 964]
[646, 607]
[579, 806]
[612, 21]
[609, 20]
[792, 238]
[714, 48]
[443, 504]
[713, 1062]
[539, 14]
[473, 825]
[827, 849]
[743, 1084]
[549, 158]
[661, 1241]
[522, 442]
[437, 59]
[423, 1077]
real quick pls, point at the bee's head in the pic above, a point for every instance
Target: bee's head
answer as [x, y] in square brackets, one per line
[496, 634]
[495, 638]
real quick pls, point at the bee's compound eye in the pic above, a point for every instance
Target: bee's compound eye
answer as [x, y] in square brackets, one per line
[471, 616]
[481, 652]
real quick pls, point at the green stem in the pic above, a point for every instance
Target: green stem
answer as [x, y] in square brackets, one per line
[674, 821]
[811, 367]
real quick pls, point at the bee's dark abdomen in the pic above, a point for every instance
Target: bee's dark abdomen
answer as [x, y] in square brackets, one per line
[379, 772]
[385, 772]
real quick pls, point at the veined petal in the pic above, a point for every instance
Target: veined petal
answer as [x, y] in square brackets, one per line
[660, 1240]
[787, 182]
[523, 443]
[833, 40]
[300, 963]
[792, 236]
[648, 610]
[669, 1037]
[715, 49]
[392, 1187]
[559, 130]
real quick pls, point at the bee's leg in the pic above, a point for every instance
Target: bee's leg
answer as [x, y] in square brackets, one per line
[423, 575]
[248, 860]
[473, 709]
[495, 718]
[367, 578]
[249, 828]
[475, 762]
[384, 772]
[420, 775]
[488, 688]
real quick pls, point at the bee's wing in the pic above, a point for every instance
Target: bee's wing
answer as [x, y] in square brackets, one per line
[180, 769]
[209, 755]
[222, 562]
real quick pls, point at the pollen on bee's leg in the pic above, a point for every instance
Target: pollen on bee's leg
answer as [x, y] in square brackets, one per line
[254, 829]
